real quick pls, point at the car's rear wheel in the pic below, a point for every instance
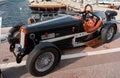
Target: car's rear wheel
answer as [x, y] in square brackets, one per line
[41, 62]
[108, 33]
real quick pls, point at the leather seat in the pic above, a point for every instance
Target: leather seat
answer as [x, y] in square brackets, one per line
[110, 13]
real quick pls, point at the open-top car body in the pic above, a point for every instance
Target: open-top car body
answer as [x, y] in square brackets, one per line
[42, 40]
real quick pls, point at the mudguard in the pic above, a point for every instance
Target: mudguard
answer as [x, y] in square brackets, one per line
[12, 31]
[108, 24]
[43, 45]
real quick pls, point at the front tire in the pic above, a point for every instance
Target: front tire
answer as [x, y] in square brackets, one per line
[108, 33]
[42, 62]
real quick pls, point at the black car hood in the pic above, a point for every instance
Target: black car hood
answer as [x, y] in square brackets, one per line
[64, 21]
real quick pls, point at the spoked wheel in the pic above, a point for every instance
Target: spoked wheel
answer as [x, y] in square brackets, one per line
[41, 62]
[108, 33]
[44, 61]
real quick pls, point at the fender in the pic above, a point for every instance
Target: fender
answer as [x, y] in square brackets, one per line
[43, 45]
[16, 27]
[108, 24]
[11, 32]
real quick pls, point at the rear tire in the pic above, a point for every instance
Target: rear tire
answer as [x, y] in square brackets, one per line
[108, 33]
[42, 62]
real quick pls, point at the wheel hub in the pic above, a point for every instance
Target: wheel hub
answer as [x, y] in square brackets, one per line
[110, 33]
[44, 61]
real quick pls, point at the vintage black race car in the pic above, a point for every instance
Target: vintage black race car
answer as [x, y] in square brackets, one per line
[42, 41]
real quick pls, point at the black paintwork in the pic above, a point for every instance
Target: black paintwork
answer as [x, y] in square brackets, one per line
[57, 23]
[61, 26]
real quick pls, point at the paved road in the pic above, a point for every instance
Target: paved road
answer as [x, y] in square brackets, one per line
[99, 66]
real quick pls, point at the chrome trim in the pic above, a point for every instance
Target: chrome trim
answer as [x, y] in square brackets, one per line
[66, 37]
[22, 39]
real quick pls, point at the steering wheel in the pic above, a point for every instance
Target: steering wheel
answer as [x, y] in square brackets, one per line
[91, 21]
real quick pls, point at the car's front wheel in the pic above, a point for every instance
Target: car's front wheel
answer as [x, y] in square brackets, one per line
[41, 62]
